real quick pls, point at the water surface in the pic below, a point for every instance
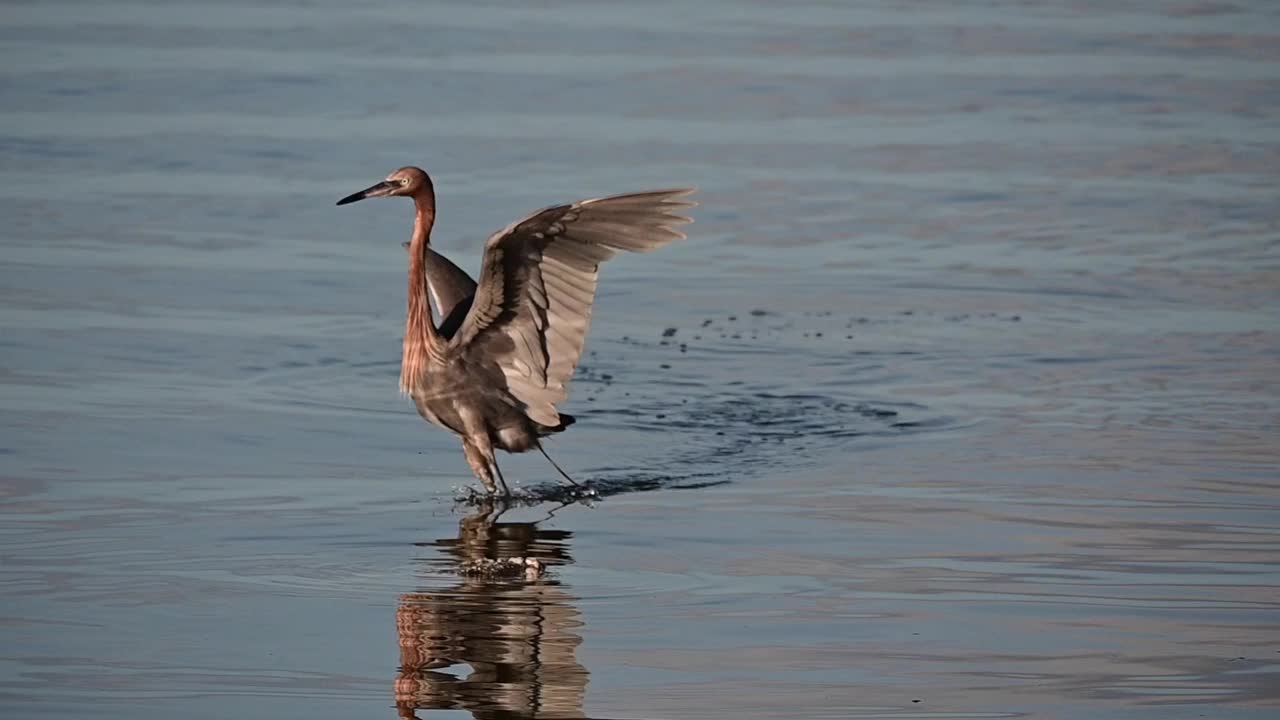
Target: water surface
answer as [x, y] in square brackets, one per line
[960, 401]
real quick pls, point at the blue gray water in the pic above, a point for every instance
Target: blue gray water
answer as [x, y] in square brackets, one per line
[959, 402]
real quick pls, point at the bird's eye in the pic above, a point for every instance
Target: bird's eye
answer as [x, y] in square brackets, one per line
[404, 182]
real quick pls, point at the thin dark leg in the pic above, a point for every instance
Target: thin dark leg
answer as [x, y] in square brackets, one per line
[563, 474]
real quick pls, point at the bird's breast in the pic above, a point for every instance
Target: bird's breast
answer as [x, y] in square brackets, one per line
[440, 410]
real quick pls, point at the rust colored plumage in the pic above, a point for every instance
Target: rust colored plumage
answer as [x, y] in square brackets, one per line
[496, 368]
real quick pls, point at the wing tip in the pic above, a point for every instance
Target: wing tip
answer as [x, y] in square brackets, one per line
[670, 197]
[676, 197]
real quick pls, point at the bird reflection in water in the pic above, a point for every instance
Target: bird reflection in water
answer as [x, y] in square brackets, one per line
[499, 643]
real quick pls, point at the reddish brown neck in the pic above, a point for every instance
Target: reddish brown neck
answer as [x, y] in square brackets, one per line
[420, 339]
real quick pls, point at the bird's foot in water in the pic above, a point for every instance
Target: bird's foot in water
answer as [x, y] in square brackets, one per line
[531, 495]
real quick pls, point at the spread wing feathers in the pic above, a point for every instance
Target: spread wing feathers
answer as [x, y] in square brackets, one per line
[532, 309]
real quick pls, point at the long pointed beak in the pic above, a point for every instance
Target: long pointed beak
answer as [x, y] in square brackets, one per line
[382, 189]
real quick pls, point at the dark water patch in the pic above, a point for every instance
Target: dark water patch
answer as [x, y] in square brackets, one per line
[603, 484]
[17, 149]
[735, 431]
[725, 413]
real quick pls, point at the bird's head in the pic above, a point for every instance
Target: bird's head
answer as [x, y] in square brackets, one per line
[407, 181]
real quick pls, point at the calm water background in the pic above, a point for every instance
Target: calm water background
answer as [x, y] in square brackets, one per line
[970, 408]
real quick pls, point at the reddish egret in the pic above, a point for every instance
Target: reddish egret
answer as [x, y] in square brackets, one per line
[497, 366]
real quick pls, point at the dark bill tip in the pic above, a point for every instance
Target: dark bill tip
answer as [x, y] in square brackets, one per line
[379, 190]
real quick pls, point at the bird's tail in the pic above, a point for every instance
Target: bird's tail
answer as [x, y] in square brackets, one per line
[565, 421]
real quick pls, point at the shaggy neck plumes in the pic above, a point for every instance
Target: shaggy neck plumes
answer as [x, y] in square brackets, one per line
[420, 338]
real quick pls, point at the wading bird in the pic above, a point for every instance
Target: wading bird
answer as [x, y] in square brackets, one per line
[495, 368]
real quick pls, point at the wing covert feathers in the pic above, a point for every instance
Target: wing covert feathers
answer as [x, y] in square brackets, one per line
[532, 309]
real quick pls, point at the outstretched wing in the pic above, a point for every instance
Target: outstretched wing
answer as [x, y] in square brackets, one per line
[538, 279]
